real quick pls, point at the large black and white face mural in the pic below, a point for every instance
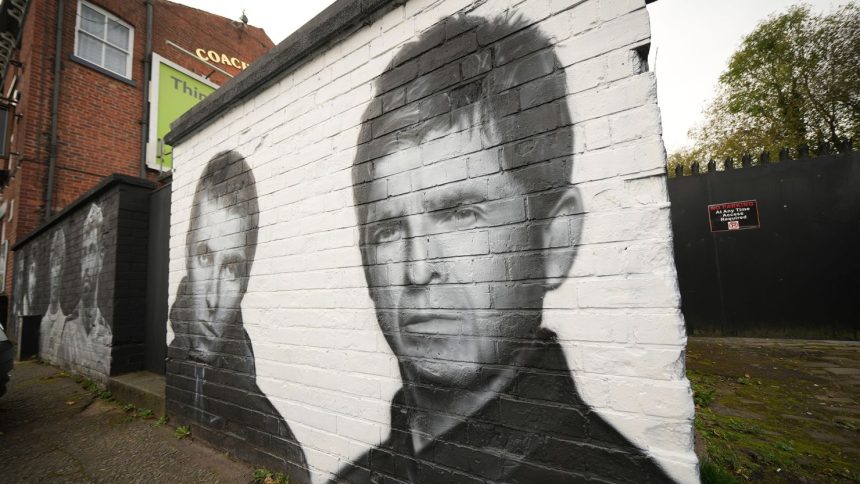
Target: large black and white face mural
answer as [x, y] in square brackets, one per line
[409, 271]
[479, 371]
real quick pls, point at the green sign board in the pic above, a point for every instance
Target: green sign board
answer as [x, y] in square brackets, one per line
[176, 91]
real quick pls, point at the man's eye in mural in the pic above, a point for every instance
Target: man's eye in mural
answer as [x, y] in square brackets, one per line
[385, 233]
[462, 218]
[229, 271]
[204, 256]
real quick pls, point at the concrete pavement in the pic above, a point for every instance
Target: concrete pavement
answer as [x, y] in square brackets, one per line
[52, 430]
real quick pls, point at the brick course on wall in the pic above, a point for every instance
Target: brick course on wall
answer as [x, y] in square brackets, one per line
[568, 91]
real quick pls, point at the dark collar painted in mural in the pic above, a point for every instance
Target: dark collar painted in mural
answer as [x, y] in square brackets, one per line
[538, 430]
[219, 391]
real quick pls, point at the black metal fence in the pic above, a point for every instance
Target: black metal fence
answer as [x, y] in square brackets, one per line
[795, 275]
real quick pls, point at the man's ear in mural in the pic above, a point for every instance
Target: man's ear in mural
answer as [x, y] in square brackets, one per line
[561, 235]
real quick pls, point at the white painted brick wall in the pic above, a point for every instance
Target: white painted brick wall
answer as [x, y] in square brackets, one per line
[319, 353]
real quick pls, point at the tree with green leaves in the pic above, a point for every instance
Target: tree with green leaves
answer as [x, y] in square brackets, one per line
[795, 80]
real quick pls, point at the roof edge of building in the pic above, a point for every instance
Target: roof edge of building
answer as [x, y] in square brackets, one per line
[305, 41]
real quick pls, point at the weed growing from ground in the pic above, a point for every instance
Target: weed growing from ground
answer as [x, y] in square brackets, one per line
[182, 432]
[265, 476]
[145, 413]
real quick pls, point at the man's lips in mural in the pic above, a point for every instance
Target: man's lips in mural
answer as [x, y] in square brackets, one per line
[432, 323]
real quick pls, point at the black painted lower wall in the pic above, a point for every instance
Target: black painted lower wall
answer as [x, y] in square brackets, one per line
[80, 281]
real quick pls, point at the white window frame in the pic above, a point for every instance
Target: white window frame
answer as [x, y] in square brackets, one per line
[79, 31]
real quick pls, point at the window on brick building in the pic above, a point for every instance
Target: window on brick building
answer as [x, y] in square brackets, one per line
[103, 39]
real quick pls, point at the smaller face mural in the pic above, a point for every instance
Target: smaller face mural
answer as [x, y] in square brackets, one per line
[211, 344]
[216, 268]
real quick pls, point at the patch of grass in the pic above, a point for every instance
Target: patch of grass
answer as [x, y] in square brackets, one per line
[162, 421]
[704, 391]
[703, 395]
[182, 432]
[766, 427]
[712, 474]
[265, 476]
[128, 408]
[743, 426]
[784, 446]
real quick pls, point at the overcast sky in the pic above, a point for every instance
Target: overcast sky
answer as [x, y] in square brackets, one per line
[691, 45]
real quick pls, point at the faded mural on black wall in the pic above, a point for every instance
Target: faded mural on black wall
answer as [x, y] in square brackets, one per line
[62, 284]
[486, 388]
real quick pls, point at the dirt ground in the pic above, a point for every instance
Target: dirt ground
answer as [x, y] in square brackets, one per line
[776, 410]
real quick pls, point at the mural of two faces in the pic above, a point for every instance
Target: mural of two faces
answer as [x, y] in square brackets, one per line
[486, 393]
[73, 331]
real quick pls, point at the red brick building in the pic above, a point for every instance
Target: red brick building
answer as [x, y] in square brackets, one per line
[72, 119]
